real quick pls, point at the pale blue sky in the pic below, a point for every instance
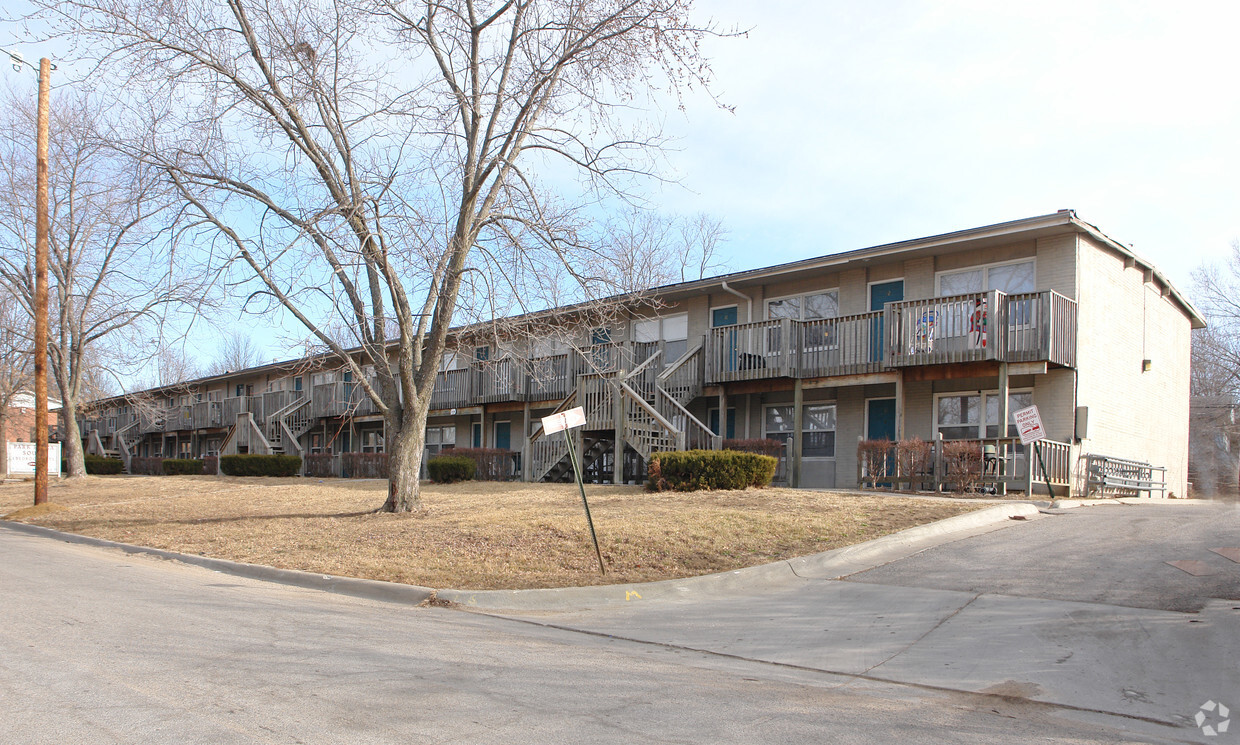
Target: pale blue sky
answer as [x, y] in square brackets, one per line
[858, 124]
[864, 123]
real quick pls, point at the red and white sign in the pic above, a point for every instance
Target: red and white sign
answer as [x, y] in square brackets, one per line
[1029, 424]
[564, 420]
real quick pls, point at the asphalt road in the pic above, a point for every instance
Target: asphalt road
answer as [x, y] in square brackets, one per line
[97, 646]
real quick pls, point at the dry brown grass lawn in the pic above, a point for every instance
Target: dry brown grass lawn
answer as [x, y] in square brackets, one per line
[475, 535]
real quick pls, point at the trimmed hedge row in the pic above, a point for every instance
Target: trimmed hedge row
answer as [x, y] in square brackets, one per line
[709, 469]
[260, 465]
[146, 466]
[182, 467]
[100, 466]
[448, 469]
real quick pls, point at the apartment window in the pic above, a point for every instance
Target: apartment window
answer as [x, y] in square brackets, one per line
[547, 346]
[960, 415]
[673, 331]
[817, 427]
[1010, 277]
[449, 361]
[439, 439]
[372, 441]
[186, 449]
[808, 307]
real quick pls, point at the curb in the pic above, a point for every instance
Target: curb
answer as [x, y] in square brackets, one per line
[1067, 504]
[833, 564]
[392, 592]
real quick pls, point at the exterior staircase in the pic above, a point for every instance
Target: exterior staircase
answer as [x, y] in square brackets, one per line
[285, 427]
[654, 415]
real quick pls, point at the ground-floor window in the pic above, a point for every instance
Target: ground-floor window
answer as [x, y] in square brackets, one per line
[439, 439]
[959, 415]
[372, 441]
[817, 426]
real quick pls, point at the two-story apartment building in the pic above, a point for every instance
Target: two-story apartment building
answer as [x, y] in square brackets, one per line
[942, 338]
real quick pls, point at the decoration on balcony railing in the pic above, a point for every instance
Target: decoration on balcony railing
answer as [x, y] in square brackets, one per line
[978, 322]
[923, 334]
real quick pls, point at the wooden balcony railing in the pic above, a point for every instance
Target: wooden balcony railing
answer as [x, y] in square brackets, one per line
[1027, 327]
[959, 328]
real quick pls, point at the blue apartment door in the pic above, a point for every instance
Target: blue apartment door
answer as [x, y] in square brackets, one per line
[881, 294]
[880, 423]
[714, 423]
[720, 317]
[503, 435]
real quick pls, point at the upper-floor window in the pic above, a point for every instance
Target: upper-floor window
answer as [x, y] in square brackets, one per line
[1011, 277]
[450, 360]
[806, 307]
[673, 331]
[547, 346]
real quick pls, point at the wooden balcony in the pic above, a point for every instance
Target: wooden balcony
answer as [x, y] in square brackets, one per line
[785, 348]
[1029, 327]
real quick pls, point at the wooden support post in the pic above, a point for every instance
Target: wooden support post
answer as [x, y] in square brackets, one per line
[899, 405]
[1001, 433]
[723, 412]
[798, 416]
[617, 466]
[525, 444]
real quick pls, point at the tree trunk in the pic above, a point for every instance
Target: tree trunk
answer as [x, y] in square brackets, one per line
[72, 448]
[404, 462]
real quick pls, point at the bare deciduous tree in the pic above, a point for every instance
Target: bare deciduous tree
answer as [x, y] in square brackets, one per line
[237, 351]
[110, 268]
[1215, 424]
[361, 162]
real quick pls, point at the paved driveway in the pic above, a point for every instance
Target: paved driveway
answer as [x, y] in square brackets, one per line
[1114, 555]
[100, 647]
[1076, 609]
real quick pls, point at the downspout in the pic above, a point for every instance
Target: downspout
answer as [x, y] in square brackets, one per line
[748, 300]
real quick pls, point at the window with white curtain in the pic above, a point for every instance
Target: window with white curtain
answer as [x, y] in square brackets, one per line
[1010, 277]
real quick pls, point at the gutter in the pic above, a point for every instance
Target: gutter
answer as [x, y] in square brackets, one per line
[748, 300]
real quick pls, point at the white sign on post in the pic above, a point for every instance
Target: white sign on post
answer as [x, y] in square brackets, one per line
[21, 458]
[564, 420]
[1029, 424]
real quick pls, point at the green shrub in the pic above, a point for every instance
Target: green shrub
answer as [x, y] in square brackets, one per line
[181, 467]
[260, 465]
[448, 469]
[709, 469]
[99, 466]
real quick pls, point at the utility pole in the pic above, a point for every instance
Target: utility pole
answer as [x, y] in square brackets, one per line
[40, 287]
[40, 272]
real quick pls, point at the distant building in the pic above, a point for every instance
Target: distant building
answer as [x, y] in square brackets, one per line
[19, 419]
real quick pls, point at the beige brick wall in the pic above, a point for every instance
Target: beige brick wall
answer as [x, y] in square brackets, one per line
[854, 292]
[919, 278]
[1123, 320]
[1056, 265]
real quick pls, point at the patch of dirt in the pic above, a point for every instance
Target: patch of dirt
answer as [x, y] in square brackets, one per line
[34, 511]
